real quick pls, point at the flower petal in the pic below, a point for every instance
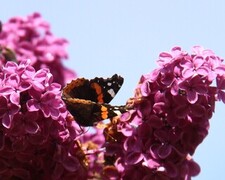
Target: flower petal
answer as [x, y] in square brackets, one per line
[32, 105]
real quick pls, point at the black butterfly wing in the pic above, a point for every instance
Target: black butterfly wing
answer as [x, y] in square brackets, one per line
[106, 89]
[86, 112]
[98, 90]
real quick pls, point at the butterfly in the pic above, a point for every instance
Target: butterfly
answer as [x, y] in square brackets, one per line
[88, 100]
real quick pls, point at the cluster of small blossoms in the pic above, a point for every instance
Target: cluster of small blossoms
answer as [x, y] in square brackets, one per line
[93, 147]
[30, 38]
[37, 137]
[172, 108]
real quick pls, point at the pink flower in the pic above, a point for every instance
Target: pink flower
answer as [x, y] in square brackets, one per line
[170, 117]
[194, 66]
[36, 79]
[193, 87]
[220, 81]
[7, 112]
[37, 138]
[216, 67]
[183, 108]
[12, 86]
[166, 58]
[26, 123]
[47, 103]
[33, 40]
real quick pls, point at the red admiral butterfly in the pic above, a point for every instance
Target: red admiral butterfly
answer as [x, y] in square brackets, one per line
[87, 100]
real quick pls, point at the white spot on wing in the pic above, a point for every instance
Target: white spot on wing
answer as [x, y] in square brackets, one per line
[111, 92]
[117, 112]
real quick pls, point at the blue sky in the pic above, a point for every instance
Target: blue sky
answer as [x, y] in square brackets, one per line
[126, 36]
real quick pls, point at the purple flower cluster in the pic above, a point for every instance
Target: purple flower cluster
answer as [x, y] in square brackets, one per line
[172, 108]
[37, 137]
[92, 145]
[30, 38]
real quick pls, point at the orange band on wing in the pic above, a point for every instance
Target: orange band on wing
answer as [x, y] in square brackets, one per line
[98, 90]
[104, 112]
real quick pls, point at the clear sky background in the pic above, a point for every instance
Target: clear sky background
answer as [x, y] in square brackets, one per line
[126, 36]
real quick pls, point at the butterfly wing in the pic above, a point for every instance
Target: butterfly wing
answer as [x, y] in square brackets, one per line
[86, 112]
[106, 89]
[98, 90]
